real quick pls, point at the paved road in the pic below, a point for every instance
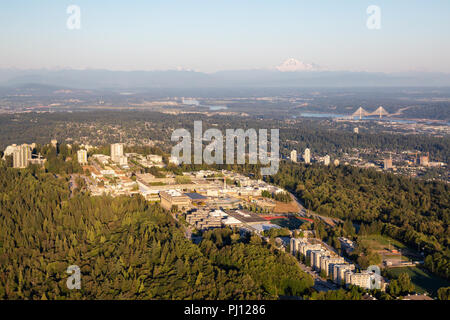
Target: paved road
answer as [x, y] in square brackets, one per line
[305, 213]
[320, 284]
[72, 185]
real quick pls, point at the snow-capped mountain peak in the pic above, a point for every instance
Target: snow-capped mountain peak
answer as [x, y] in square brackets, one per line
[292, 64]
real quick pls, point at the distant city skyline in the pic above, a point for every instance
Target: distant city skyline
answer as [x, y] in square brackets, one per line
[210, 36]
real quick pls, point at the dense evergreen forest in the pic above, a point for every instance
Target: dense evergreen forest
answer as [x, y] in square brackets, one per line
[126, 249]
[414, 212]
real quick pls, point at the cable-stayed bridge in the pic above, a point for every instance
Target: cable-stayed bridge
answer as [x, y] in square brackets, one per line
[380, 111]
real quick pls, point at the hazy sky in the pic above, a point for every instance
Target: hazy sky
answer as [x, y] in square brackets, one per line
[215, 35]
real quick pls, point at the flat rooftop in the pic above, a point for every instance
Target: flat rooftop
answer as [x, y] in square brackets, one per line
[246, 216]
[172, 193]
[195, 196]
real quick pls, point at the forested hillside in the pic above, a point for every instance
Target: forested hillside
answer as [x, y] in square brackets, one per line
[413, 211]
[126, 249]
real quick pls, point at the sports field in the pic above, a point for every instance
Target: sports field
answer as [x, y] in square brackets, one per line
[381, 242]
[422, 279]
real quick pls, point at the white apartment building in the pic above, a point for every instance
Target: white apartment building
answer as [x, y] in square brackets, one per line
[21, 156]
[306, 249]
[335, 266]
[294, 155]
[116, 152]
[82, 156]
[307, 156]
[327, 262]
[294, 245]
[339, 272]
[362, 279]
[315, 258]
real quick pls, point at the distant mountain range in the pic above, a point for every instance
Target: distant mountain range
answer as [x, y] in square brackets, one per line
[291, 73]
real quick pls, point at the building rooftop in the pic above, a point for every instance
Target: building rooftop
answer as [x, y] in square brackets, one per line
[265, 226]
[195, 196]
[246, 216]
[416, 297]
[172, 193]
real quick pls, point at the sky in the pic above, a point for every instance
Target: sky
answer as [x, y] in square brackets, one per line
[212, 35]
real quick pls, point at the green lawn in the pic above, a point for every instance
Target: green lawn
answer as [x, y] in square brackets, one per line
[379, 242]
[423, 280]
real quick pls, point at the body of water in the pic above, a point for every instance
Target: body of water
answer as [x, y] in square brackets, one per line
[215, 108]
